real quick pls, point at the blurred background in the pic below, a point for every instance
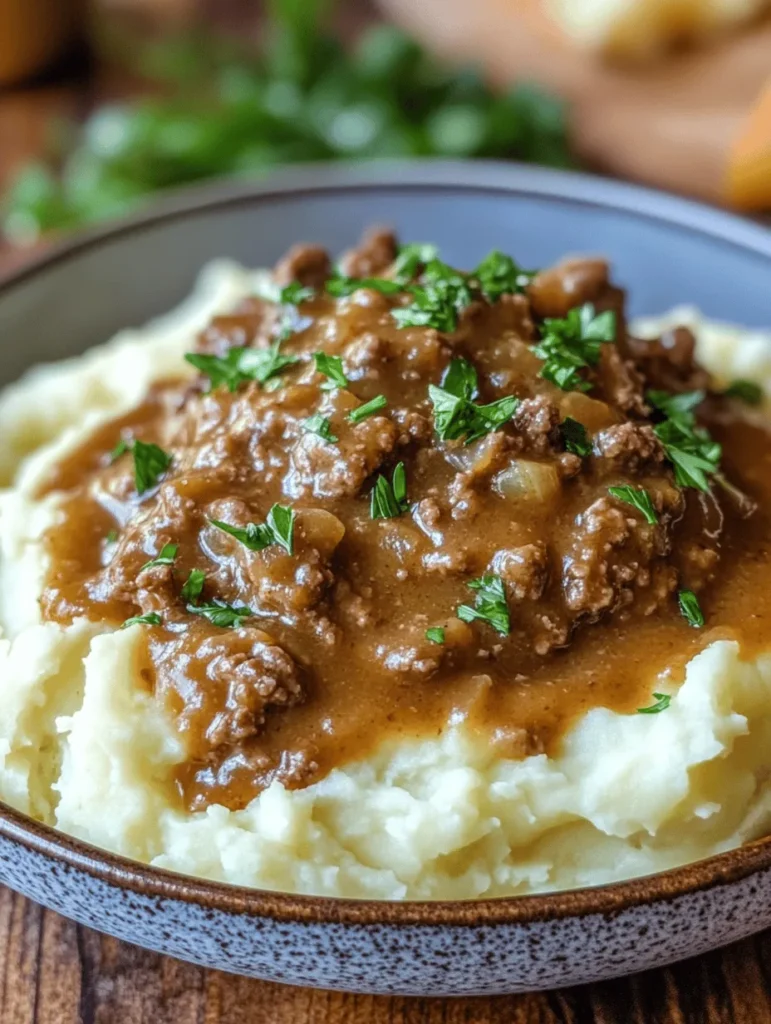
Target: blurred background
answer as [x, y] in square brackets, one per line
[105, 103]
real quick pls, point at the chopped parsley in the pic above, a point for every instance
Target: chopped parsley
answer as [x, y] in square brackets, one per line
[240, 365]
[690, 608]
[363, 411]
[150, 463]
[151, 619]
[456, 415]
[575, 437]
[389, 499]
[663, 700]
[332, 368]
[498, 274]
[277, 529]
[219, 613]
[435, 634]
[411, 258]
[441, 295]
[490, 605]
[573, 343]
[638, 498]
[319, 425]
[123, 446]
[340, 285]
[746, 391]
[295, 293]
[689, 448]
[193, 587]
[112, 536]
[166, 557]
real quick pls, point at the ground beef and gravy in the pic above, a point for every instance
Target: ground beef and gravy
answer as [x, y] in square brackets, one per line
[399, 497]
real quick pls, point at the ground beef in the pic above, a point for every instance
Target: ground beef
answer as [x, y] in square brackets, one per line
[629, 446]
[308, 264]
[374, 254]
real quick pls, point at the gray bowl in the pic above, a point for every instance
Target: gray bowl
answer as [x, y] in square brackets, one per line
[667, 251]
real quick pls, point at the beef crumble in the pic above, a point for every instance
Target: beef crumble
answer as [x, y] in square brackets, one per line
[394, 479]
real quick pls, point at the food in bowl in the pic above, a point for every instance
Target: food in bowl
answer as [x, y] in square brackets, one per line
[383, 579]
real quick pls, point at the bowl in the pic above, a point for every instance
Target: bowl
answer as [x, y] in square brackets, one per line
[667, 250]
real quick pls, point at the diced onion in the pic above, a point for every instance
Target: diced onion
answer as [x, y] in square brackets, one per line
[527, 481]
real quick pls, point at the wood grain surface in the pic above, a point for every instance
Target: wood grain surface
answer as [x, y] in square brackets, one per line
[55, 972]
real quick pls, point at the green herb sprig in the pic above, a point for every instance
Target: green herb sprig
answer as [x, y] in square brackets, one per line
[575, 437]
[367, 409]
[572, 343]
[490, 606]
[241, 365]
[692, 452]
[166, 557]
[219, 613]
[389, 498]
[690, 608]
[457, 415]
[278, 528]
[663, 700]
[150, 619]
[638, 498]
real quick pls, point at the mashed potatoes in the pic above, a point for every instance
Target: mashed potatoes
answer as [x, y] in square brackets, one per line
[84, 747]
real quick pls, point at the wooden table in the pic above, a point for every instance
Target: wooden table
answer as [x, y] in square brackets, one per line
[55, 972]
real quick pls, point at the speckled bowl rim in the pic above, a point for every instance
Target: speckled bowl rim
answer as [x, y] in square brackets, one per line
[402, 177]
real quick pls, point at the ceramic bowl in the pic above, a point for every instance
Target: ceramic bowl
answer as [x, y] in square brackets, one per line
[667, 251]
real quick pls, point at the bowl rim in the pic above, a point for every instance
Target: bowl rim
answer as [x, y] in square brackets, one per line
[400, 176]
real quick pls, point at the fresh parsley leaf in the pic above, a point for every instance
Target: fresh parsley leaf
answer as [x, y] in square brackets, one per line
[166, 557]
[331, 367]
[112, 536]
[363, 411]
[443, 293]
[746, 391]
[572, 343]
[575, 437]
[490, 606]
[663, 700]
[281, 522]
[193, 587]
[498, 274]
[221, 614]
[677, 407]
[389, 500]
[435, 634]
[123, 446]
[150, 463]
[638, 498]
[278, 529]
[151, 619]
[240, 365]
[319, 425]
[295, 293]
[411, 258]
[456, 415]
[690, 608]
[341, 285]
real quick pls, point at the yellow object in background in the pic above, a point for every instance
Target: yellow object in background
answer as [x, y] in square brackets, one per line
[34, 34]
[645, 28]
[748, 183]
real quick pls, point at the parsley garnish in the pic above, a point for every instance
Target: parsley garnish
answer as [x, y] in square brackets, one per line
[663, 700]
[151, 619]
[219, 613]
[193, 587]
[319, 425]
[498, 274]
[490, 607]
[456, 415]
[112, 536]
[575, 437]
[363, 411]
[331, 367]
[639, 498]
[390, 499]
[240, 365]
[340, 286]
[277, 529]
[443, 293]
[688, 447]
[746, 391]
[690, 608]
[123, 446]
[435, 634]
[412, 257]
[166, 557]
[150, 463]
[295, 293]
[572, 343]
